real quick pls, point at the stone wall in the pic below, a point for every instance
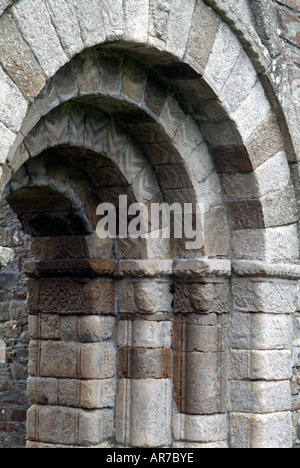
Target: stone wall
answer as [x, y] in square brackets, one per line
[14, 333]
[288, 17]
[252, 166]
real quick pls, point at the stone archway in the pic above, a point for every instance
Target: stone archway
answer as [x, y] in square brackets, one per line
[218, 89]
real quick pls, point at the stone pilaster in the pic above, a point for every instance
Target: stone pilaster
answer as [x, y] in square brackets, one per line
[144, 401]
[72, 363]
[200, 341]
[265, 297]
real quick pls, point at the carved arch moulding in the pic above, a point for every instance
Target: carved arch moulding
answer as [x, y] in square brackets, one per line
[159, 101]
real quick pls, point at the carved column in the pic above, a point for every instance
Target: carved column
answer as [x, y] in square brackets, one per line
[72, 364]
[144, 402]
[200, 342]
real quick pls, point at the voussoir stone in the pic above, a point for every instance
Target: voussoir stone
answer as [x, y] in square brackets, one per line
[36, 26]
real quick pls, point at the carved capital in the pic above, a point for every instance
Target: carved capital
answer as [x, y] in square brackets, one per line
[202, 297]
[145, 296]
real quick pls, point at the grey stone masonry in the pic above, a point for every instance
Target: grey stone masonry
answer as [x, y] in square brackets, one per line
[150, 342]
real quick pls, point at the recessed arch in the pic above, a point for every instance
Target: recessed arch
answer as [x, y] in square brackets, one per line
[190, 92]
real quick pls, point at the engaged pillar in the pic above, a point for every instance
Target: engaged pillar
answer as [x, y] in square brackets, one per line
[72, 363]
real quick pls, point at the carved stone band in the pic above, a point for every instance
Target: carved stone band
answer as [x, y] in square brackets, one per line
[248, 268]
[145, 268]
[202, 268]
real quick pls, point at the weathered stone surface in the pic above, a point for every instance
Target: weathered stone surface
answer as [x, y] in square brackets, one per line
[275, 209]
[90, 21]
[6, 257]
[87, 394]
[143, 416]
[231, 159]
[7, 139]
[46, 101]
[173, 177]
[35, 24]
[280, 208]
[190, 445]
[225, 53]
[265, 142]
[239, 15]
[5, 4]
[209, 192]
[13, 335]
[77, 297]
[180, 19]
[202, 36]
[289, 25]
[222, 133]
[134, 80]
[248, 268]
[136, 17]
[42, 391]
[261, 365]
[261, 331]
[66, 87]
[171, 117]
[270, 245]
[275, 296]
[292, 4]
[269, 177]
[261, 431]
[202, 298]
[200, 382]
[260, 397]
[145, 268]
[64, 247]
[21, 156]
[18, 60]
[36, 141]
[201, 161]
[12, 102]
[202, 268]
[199, 333]
[72, 360]
[113, 18]
[144, 334]
[68, 31]
[69, 426]
[126, 23]
[71, 268]
[240, 83]
[256, 107]
[144, 297]
[158, 19]
[88, 329]
[200, 428]
[142, 363]
[216, 233]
